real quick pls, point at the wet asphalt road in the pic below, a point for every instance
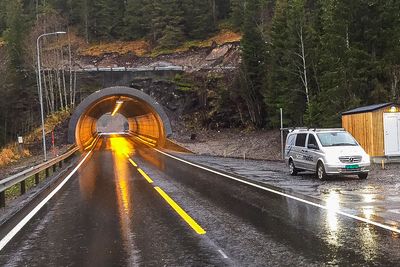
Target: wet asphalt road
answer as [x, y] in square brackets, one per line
[376, 198]
[109, 215]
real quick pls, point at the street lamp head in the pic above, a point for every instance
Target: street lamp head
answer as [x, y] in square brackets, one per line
[60, 32]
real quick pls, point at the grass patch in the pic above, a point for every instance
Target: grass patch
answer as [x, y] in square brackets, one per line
[15, 191]
[12, 153]
[182, 83]
[223, 37]
[138, 48]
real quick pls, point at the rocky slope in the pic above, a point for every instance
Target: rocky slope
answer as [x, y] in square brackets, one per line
[224, 56]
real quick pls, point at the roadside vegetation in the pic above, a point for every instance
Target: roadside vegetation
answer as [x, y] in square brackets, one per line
[14, 152]
[142, 48]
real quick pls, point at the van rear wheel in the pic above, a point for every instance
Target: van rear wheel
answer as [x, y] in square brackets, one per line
[292, 169]
[321, 174]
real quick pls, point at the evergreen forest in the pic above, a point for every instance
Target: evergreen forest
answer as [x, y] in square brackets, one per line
[313, 58]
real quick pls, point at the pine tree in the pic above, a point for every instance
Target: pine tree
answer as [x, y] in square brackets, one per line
[2, 16]
[237, 13]
[135, 19]
[106, 19]
[254, 62]
[167, 23]
[199, 21]
[348, 57]
[294, 76]
[223, 8]
[14, 33]
[391, 55]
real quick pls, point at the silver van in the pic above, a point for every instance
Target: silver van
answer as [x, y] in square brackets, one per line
[326, 152]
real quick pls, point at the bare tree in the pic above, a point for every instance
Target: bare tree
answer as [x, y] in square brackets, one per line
[303, 69]
[395, 73]
[57, 55]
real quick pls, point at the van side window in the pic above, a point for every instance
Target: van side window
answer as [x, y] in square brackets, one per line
[301, 140]
[312, 140]
[290, 141]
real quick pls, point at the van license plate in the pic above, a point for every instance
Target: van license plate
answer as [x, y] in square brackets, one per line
[352, 167]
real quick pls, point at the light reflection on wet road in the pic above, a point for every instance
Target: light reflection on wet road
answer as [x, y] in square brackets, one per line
[109, 215]
[376, 198]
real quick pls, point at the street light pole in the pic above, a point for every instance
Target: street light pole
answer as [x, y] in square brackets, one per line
[40, 88]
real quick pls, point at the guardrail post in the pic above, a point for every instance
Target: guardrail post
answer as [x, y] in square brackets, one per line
[54, 168]
[47, 172]
[37, 179]
[23, 187]
[2, 199]
[60, 163]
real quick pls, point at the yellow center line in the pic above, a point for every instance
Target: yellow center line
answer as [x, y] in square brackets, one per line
[189, 220]
[145, 175]
[133, 163]
[186, 217]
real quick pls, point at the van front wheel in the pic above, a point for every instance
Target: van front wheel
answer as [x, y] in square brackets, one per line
[292, 169]
[321, 174]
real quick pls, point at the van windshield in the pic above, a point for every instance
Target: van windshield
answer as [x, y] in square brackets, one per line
[336, 139]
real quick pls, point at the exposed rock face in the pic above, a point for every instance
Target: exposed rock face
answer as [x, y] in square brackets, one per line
[226, 56]
[175, 102]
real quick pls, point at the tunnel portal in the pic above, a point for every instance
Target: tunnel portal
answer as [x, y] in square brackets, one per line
[146, 118]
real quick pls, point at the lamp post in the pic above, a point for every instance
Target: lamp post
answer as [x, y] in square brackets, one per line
[40, 88]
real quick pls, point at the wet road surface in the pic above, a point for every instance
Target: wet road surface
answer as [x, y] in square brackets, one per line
[109, 214]
[376, 198]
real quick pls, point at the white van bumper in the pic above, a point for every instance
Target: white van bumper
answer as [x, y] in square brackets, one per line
[347, 169]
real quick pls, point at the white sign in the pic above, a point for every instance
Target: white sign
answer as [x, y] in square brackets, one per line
[20, 140]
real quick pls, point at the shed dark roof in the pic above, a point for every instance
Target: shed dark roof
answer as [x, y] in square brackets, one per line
[367, 108]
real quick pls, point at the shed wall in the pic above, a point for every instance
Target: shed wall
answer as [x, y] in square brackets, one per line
[378, 133]
[361, 127]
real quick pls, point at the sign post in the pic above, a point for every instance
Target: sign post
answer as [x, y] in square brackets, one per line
[282, 142]
[53, 143]
[20, 144]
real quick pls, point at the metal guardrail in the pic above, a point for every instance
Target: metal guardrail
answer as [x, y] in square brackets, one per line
[33, 171]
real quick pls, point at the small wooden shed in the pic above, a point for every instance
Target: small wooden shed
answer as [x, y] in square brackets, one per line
[376, 128]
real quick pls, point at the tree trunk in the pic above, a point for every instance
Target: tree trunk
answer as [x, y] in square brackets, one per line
[86, 21]
[80, 95]
[52, 95]
[45, 91]
[304, 63]
[394, 83]
[64, 85]
[71, 93]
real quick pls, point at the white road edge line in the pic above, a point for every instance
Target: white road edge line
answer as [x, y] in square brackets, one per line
[337, 211]
[222, 253]
[32, 213]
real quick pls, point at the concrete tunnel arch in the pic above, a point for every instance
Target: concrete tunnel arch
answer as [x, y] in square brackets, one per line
[146, 117]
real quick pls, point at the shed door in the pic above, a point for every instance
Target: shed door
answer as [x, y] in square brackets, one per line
[392, 133]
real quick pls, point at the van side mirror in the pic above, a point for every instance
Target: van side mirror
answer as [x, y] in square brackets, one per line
[312, 146]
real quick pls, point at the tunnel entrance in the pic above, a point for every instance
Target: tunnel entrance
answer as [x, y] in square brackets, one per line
[142, 116]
